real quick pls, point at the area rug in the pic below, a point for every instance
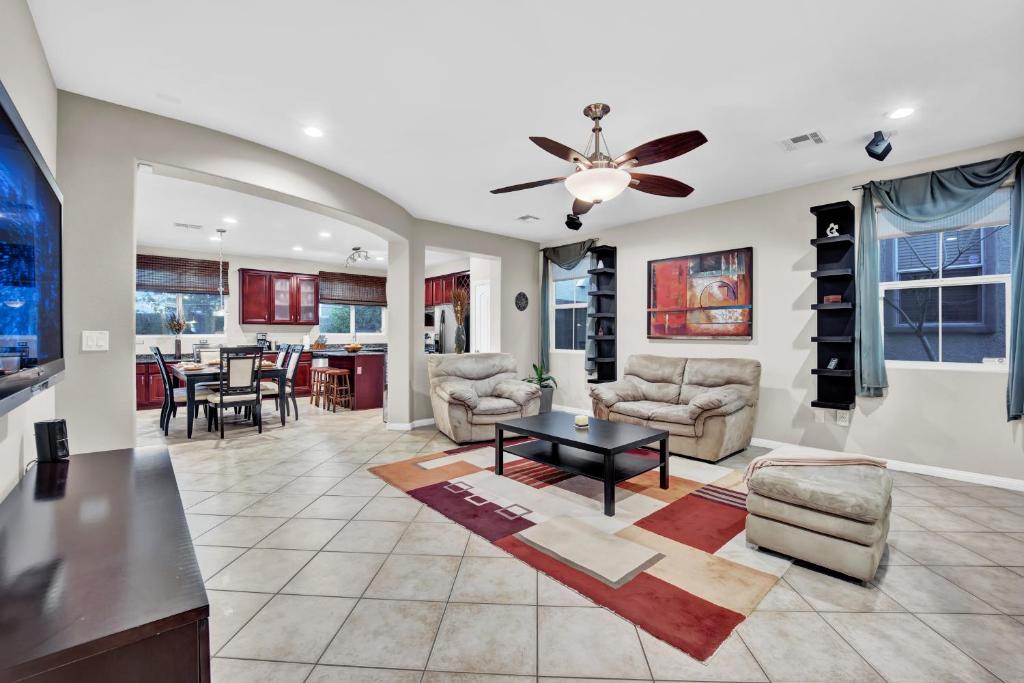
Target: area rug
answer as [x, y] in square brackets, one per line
[674, 561]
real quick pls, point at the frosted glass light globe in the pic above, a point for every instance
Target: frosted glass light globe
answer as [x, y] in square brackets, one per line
[597, 184]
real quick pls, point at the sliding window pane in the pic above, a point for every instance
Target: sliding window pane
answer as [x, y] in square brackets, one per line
[973, 323]
[579, 328]
[201, 313]
[917, 256]
[564, 328]
[976, 251]
[565, 292]
[369, 319]
[335, 318]
[152, 309]
[911, 324]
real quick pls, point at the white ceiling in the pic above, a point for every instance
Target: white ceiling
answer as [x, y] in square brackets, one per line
[264, 227]
[431, 103]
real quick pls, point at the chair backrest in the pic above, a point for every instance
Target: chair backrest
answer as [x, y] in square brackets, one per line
[205, 354]
[282, 355]
[158, 354]
[483, 370]
[294, 354]
[240, 370]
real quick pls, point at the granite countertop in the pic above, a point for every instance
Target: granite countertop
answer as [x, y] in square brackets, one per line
[331, 350]
[327, 353]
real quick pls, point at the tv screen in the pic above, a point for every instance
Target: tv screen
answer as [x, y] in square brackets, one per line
[31, 330]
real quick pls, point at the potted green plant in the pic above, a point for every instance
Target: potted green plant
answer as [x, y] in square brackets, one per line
[547, 386]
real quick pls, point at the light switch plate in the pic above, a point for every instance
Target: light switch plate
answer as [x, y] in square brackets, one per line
[95, 340]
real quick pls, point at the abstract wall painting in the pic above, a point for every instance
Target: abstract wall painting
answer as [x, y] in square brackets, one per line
[703, 296]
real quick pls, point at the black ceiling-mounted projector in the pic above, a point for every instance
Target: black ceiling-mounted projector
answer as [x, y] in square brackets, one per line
[879, 147]
[573, 222]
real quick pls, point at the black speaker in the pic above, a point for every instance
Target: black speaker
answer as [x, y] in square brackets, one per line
[52, 441]
[879, 147]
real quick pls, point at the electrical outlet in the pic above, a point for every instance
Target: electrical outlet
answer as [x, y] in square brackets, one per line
[843, 418]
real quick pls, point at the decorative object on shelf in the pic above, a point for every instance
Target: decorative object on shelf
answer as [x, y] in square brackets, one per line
[600, 349]
[460, 306]
[547, 386]
[598, 176]
[522, 301]
[319, 344]
[581, 421]
[176, 325]
[835, 288]
[702, 296]
[358, 255]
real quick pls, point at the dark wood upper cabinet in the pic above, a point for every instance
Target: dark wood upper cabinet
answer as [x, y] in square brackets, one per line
[254, 288]
[276, 298]
[437, 291]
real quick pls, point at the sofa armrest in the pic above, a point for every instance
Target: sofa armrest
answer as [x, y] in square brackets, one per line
[718, 402]
[611, 393]
[454, 391]
[516, 390]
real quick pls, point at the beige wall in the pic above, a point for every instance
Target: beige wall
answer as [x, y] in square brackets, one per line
[947, 418]
[100, 145]
[26, 76]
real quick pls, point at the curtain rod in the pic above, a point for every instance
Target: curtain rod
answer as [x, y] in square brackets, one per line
[1009, 182]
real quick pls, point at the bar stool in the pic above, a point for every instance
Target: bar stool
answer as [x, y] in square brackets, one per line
[337, 390]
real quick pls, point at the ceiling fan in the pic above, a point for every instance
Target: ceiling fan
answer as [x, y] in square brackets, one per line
[599, 177]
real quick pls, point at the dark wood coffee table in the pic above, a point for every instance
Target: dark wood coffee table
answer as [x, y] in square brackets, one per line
[596, 452]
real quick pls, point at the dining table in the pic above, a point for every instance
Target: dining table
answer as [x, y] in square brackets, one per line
[211, 373]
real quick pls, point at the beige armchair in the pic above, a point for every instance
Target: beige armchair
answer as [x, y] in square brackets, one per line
[469, 392]
[707, 405]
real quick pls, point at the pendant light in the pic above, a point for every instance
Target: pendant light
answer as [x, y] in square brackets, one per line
[220, 312]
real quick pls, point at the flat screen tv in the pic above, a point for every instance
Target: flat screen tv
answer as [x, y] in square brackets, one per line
[31, 319]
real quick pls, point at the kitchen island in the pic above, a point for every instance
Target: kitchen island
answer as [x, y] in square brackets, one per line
[367, 372]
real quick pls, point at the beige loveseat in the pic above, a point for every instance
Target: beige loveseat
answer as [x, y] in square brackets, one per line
[707, 405]
[469, 392]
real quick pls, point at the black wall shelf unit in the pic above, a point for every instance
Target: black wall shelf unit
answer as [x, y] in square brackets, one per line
[834, 275]
[602, 332]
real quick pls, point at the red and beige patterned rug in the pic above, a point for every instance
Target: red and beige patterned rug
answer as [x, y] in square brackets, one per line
[674, 562]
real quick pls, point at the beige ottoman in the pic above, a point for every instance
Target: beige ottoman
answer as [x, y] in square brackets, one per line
[835, 516]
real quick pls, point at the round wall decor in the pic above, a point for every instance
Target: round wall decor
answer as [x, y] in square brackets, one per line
[522, 301]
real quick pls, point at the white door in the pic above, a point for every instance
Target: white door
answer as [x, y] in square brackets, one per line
[481, 317]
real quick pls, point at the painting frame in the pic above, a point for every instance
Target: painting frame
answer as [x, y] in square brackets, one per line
[733, 273]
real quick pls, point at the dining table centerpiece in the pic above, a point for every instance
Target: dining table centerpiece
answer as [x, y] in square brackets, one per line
[176, 326]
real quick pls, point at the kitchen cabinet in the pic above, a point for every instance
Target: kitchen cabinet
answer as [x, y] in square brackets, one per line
[437, 291]
[277, 298]
[149, 386]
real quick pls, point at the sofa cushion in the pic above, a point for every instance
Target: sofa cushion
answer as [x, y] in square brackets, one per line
[639, 409]
[859, 492]
[822, 522]
[516, 390]
[740, 375]
[493, 405]
[678, 414]
[482, 370]
[458, 390]
[656, 377]
[673, 428]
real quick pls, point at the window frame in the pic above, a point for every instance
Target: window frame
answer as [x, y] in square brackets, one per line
[941, 282]
[555, 306]
[179, 310]
[352, 320]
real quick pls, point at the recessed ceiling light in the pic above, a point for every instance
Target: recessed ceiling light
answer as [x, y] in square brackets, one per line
[378, 258]
[215, 238]
[901, 113]
[325, 234]
[296, 248]
[230, 220]
[313, 132]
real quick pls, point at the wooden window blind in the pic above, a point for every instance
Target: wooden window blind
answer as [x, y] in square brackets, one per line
[177, 274]
[348, 288]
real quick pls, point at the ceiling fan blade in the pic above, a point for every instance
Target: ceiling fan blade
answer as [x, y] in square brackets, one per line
[659, 184]
[561, 151]
[580, 207]
[527, 186]
[662, 149]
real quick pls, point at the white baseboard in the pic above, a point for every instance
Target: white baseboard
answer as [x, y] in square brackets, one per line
[930, 470]
[570, 409]
[406, 426]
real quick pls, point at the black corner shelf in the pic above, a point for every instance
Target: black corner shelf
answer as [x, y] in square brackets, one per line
[831, 372]
[602, 322]
[834, 274]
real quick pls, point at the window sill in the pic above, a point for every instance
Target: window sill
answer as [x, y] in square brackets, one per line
[571, 352]
[983, 368]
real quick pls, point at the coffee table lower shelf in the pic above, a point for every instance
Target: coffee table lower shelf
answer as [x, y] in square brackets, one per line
[586, 463]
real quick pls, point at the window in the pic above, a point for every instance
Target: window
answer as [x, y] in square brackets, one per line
[152, 309]
[943, 285]
[569, 306]
[337, 319]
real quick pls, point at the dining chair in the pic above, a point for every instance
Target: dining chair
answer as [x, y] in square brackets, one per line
[269, 389]
[174, 397]
[291, 366]
[203, 353]
[282, 355]
[239, 385]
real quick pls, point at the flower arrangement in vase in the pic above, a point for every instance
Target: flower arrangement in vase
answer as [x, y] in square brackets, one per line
[176, 325]
[460, 304]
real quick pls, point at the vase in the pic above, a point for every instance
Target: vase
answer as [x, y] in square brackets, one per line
[177, 348]
[460, 339]
[547, 395]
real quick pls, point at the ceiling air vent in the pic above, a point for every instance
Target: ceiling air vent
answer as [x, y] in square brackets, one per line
[527, 218]
[803, 141]
[188, 226]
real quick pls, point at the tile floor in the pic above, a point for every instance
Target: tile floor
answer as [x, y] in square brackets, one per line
[317, 571]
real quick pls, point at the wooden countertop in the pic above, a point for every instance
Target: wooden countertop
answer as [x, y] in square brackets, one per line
[107, 563]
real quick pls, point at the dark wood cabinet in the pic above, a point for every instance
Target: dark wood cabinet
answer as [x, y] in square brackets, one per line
[254, 288]
[149, 386]
[277, 298]
[366, 373]
[437, 291]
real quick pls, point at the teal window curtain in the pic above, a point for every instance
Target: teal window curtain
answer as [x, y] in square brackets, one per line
[566, 256]
[930, 198]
